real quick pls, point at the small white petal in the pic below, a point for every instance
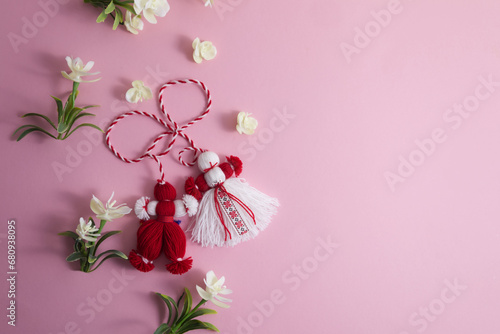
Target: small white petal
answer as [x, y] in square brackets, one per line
[149, 15]
[220, 304]
[203, 294]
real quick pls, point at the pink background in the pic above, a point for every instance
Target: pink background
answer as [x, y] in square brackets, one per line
[421, 257]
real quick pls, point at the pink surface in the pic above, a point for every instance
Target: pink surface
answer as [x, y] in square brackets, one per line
[347, 253]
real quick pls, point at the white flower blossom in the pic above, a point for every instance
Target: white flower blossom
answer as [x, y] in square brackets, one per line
[78, 70]
[209, 3]
[203, 50]
[108, 212]
[151, 8]
[86, 231]
[138, 92]
[214, 288]
[133, 24]
[245, 123]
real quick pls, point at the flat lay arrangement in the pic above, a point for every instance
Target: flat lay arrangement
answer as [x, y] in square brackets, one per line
[246, 167]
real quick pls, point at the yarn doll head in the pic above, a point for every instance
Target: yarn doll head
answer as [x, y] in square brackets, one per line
[208, 163]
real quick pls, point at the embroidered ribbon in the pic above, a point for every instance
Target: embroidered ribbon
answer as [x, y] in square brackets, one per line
[220, 188]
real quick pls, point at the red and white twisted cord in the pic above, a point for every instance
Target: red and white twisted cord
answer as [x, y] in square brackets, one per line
[172, 129]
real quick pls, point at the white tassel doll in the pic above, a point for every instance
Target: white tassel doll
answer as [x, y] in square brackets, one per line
[230, 211]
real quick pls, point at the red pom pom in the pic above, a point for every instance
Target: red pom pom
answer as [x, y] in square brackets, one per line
[191, 189]
[138, 263]
[164, 192]
[180, 267]
[236, 163]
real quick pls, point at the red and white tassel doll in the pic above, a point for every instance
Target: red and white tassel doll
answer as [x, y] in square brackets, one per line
[162, 231]
[230, 210]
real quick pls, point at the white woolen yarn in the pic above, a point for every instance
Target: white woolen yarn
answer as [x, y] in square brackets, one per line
[180, 209]
[207, 160]
[152, 208]
[139, 208]
[214, 177]
[191, 204]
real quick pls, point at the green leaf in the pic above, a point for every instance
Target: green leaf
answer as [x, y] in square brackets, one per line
[128, 7]
[110, 8]
[105, 236]
[92, 258]
[62, 127]
[188, 301]
[162, 329]
[82, 125]
[106, 258]
[196, 324]
[102, 17]
[117, 20]
[113, 251]
[33, 128]
[82, 115]
[200, 312]
[59, 108]
[42, 116]
[69, 234]
[75, 257]
[171, 306]
[79, 245]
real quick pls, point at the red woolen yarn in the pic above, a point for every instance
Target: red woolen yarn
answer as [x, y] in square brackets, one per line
[162, 231]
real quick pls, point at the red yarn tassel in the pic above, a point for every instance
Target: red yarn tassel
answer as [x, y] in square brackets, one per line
[236, 163]
[139, 263]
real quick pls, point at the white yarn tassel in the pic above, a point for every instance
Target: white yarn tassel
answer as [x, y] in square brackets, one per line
[207, 228]
[140, 208]
[191, 204]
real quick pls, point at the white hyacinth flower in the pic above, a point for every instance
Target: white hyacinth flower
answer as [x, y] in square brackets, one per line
[78, 70]
[138, 92]
[203, 50]
[108, 212]
[133, 24]
[214, 288]
[151, 8]
[245, 123]
[86, 231]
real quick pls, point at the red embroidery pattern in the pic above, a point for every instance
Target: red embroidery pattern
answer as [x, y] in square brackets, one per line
[232, 213]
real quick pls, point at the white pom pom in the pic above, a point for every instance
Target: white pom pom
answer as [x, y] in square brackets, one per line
[152, 208]
[207, 160]
[180, 209]
[140, 208]
[191, 204]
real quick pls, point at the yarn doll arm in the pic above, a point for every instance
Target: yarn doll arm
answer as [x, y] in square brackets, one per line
[145, 208]
[196, 188]
[187, 205]
[233, 164]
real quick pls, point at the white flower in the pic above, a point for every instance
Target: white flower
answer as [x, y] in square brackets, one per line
[203, 50]
[133, 24]
[209, 3]
[138, 92]
[109, 212]
[215, 288]
[78, 70]
[150, 8]
[246, 124]
[86, 231]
